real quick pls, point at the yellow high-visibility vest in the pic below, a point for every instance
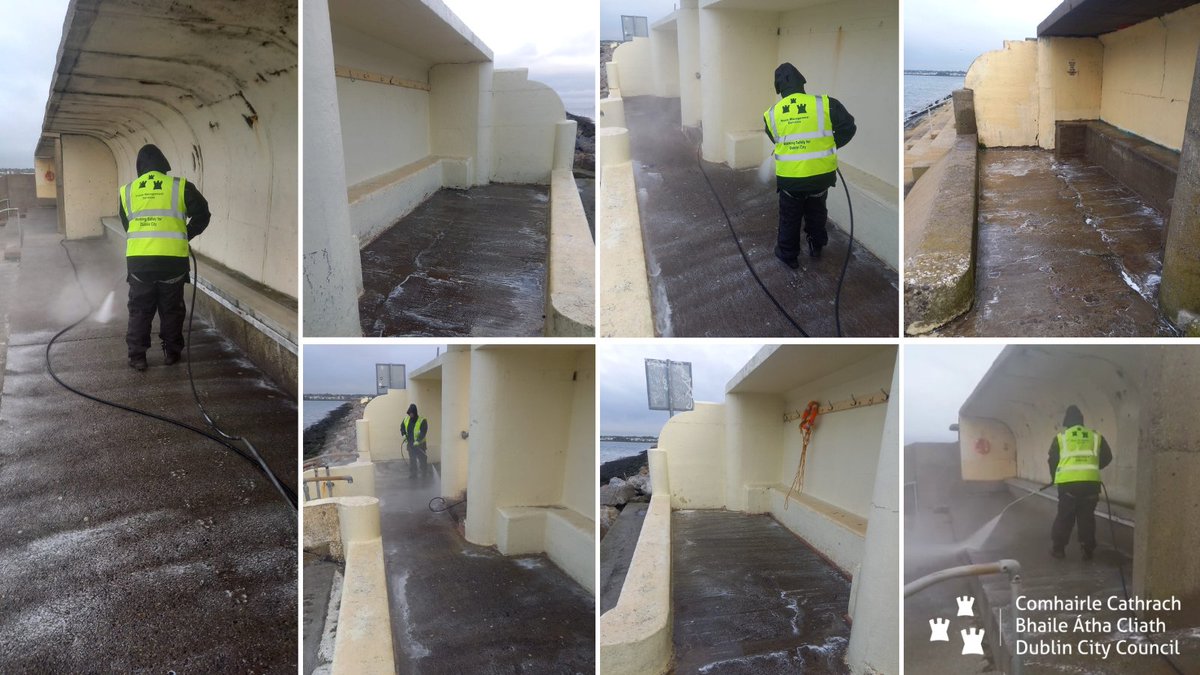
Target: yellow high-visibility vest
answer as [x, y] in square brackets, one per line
[1078, 456]
[412, 429]
[803, 132]
[153, 205]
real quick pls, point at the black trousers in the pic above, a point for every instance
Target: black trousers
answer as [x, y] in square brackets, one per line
[147, 298]
[797, 210]
[416, 454]
[1076, 504]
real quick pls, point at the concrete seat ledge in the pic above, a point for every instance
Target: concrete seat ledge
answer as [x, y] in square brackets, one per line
[563, 534]
[635, 635]
[377, 203]
[835, 533]
[571, 282]
[939, 272]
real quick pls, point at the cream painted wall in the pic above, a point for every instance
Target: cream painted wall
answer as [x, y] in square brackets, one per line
[690, 84]
[664, 47]
[427, 394]
[695, 446]
[383, 415]
[844, 449]
[753, 444]
[988, 450]
[1064, 95]
[579, 470]
[89, 177]
[524, 115]
[1148, 72]
[460, 114]
[839, 47]
[635, 61]
[1006, 94]
[456, 418]
[384, 127]
[45, 188]
[738, 57]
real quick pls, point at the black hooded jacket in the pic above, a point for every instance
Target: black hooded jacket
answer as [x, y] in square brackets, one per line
[161, 268]
[1074, 417]
[788, 81]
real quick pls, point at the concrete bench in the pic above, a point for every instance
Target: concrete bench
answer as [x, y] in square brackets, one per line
[565, 535]
[377, 203]
[635, 635]
[939, 236]
[836, 533]
[1143, 166]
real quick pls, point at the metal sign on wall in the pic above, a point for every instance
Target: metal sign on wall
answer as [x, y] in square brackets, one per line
[389, 376]
[669, 385]
[634, 26]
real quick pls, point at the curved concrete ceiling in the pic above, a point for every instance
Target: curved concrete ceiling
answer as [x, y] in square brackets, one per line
[425, 28]
[1089, 18]
[124, 65]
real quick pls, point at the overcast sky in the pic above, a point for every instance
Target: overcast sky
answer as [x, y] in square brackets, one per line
[937, 380]
[29, 37]
[611, 11]
[350, 369]
[555, 39]
[622, 372]
[949, 34]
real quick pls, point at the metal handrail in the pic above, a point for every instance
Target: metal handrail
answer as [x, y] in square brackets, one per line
[327, 479]
[1008, 566]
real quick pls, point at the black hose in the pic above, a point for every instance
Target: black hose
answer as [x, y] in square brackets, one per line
[443, 507]
[737, 240]
[1112, 530]
[255, 461]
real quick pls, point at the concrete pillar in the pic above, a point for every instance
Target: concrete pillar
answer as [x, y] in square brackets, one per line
[456, 418]
[873, 646]
[690, 83]
[614, 147]
[89, 183]
[753, 444]
[1180, 296]
[362, 437]
[564, 144]
[660, 479]
[358, 518]
[1167, 534]
[612, 112]
[712, 110]
[332, 267]
[613, 70]
[964, 112]
[482, 447]
[738, 55]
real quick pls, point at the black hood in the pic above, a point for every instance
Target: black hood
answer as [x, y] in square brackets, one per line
[788, 80]
[1073, 417]
[150, 158]
[412, 409]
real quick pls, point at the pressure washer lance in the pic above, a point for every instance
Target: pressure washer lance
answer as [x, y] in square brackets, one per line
[254, 459]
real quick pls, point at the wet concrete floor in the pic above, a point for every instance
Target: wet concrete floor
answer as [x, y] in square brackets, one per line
[460, 608]
[130, 545]
[699, 283]
[751, 597]
[319, 576]
[1064, 250]
[464, 263]
[955, 511]
[616, 552]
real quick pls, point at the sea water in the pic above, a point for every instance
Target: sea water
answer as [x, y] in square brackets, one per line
[921, 90]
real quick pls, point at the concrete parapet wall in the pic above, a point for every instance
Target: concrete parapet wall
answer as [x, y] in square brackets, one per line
[524, 118]
[694, 443]
[363, 485]
[625, 309]
[364, 634]
[940, 217]
[1007, 105]
[635, 635]
[635, 63]
[571, 276]
[567, 537]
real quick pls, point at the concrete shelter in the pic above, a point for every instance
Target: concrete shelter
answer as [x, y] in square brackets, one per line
[403, 101]
[736, 460]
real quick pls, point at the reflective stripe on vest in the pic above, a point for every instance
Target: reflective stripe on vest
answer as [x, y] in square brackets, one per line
[1078, 456]
[804, 144]
[157, 216]
[414, 429]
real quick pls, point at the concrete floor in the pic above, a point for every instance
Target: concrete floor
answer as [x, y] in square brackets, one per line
[751, 597]
[130, 545]
[616, 552]
[464, 263]
[699, 283]
[1064, 250]
[460, 608]
[318, 584]
[951, 510]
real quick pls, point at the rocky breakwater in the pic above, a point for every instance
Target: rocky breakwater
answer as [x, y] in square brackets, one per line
[628, 482]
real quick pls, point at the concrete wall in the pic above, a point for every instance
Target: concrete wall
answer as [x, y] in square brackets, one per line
[89, 186]
[383, 415]
[687, 19]
[461, 117]
[1005, 83]
[844, 448]
[384, 127]
[987, 449]
[524, 114]
[635, 62]
[1070, 72]
[738, 57]
[45, 174]
[695, 445]
[664, 48]
[1148, 71]
[20, 191]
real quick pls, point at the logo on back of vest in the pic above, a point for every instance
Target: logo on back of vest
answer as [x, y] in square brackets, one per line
[158, 185]
[141, 185]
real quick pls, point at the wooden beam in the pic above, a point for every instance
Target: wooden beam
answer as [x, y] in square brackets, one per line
[353, 74]
[851, 403]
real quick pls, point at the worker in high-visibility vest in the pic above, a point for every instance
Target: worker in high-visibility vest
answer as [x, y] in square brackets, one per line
[1076, 456]
[160, 214]
[807, 130]
[414, 429]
